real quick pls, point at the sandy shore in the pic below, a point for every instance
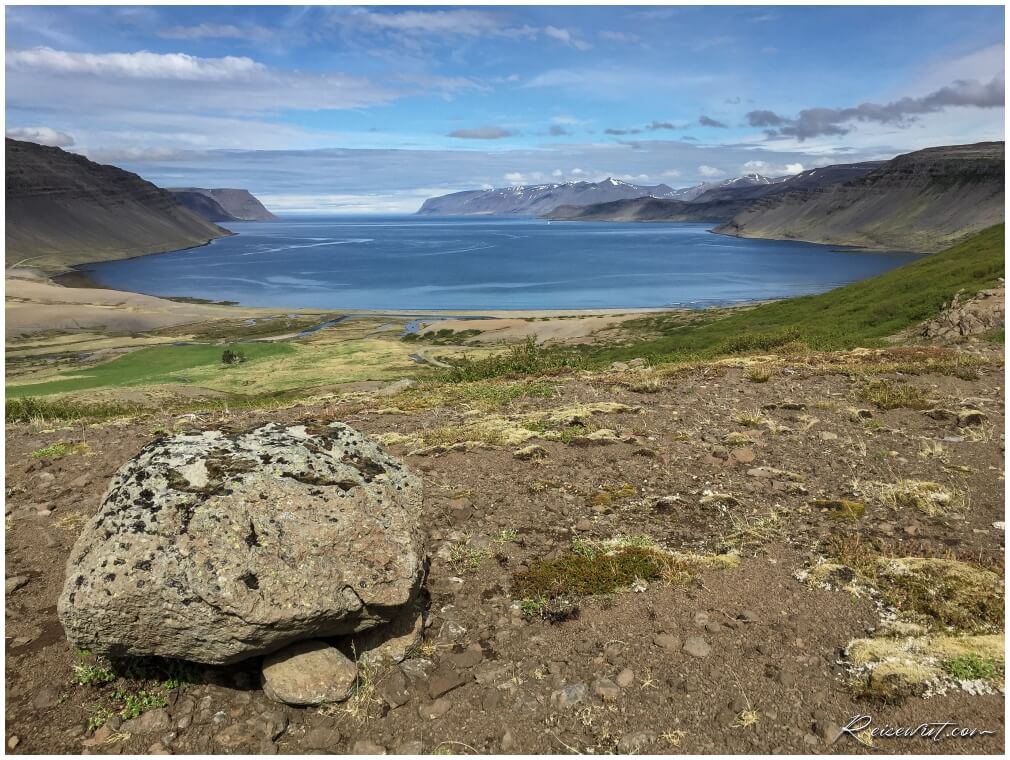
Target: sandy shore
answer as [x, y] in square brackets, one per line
[36, 303]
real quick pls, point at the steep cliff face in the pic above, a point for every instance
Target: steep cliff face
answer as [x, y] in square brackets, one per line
[63, 209]
[234, 203]
[204, 206]
[922, 201]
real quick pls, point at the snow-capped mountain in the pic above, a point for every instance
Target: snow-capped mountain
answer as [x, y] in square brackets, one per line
[534, 200]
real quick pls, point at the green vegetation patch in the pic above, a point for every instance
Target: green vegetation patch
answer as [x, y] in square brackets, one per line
[579, 574]
[41, 410]
[885, 394]
[59, 449]
[939, 594]
[973, 667]
[148, 366]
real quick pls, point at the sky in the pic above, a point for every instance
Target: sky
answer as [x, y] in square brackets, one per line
[371, 109]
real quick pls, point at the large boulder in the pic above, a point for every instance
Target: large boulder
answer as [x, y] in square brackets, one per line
[215, 547]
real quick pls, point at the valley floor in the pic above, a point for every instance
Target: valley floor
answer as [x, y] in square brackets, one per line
[753, 469]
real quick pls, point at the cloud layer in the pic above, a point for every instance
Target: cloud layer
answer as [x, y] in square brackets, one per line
[818, 122]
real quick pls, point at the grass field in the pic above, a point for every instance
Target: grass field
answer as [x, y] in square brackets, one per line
[151, 366]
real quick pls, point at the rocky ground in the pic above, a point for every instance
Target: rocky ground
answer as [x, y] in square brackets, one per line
[779, 491]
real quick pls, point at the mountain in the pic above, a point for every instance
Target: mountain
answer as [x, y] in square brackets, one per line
[234, 204]
[537, 200]
[63, 209]
[922, 201]
[531, 200]
[717, 202]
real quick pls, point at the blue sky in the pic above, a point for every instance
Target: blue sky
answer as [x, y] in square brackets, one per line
[374, 108]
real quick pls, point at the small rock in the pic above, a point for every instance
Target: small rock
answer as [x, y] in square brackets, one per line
[15, 582]
[773, 473]
[940, 414]
[150, 722]
[584, 524]
[827, 435]
[634, 743]
[445, 679]
[507, 741]
[13, 743]
[395, 688]
[667, 641]
[625, 678]
[606, 689]
[490, 699]
[744, 455]
[324, 738]
[417, 669]
[570, 696]
[366, 747]
[697, 647]
[308, 673]
[410, 747]
[460, 511]
[436, 709]
[468, 658]
[828, 731]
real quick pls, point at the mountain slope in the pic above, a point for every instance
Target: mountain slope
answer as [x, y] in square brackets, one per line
[237, 204]
[649, 210]
[63, 209]
[918, 201]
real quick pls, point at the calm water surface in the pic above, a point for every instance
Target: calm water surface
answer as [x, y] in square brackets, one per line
[487, 263]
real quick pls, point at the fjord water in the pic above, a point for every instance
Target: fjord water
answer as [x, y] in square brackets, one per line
[485, 263]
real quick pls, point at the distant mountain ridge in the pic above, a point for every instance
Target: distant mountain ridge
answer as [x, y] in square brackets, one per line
[535, 200]
[716, 202]
[63, 209]
[222, 204]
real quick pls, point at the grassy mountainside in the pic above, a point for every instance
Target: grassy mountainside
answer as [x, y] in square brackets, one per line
[859, 314]
[63, 209]
[650, 210]
[923, 201]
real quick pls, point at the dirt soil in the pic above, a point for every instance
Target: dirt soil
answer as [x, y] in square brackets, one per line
[768, 673]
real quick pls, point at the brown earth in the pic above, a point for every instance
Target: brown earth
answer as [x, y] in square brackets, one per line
[774, 678]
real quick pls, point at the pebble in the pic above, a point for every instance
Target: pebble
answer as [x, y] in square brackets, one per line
[631, 744]
[366, 747]
[570, 696]
[667, 641]
[321, 738]
[468, 658]
[697, 647]
[507, 741]
[436, 709]
[410, 747]
[445, 679]
[625, 678]
[13, 742]
[15, 582]
[606, 689]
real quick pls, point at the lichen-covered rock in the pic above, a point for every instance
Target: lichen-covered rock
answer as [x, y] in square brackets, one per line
[215, 547]
[979, 314]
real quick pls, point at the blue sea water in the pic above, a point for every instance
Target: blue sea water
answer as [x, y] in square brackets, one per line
[410, 262]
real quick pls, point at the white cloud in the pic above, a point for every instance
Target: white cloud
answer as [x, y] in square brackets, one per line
[623, 37]
[566, 36]
[793, 168]
[710, 171]
[42, 135]
[671, 173]
[138, 65]
[769, 169]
